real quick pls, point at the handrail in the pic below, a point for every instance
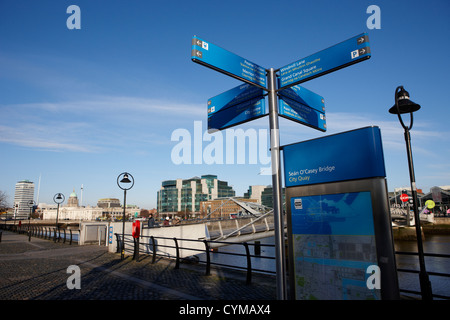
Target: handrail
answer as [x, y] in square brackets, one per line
[43, 232]
[206, 250]
[431, 273]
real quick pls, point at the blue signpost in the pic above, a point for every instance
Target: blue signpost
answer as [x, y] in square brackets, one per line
[238, 105]
[242, 104]
[227, 62]
[339, 56]
[301, 113]
[304, 106]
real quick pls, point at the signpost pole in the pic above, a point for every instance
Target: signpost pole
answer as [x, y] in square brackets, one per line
[276, 185]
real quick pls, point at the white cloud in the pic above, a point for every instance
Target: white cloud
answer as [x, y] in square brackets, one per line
[93, 125]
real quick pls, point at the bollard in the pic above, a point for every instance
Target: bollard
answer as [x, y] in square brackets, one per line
[257, 248]
[249, 263]
[154, 249]
[136, 249]
[208, 258]
[118, 243]
[177, 264]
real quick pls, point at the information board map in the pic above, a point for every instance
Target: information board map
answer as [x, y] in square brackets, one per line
[333, 245]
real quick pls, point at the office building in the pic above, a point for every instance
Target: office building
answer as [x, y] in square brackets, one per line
[24, 193]
[254, 192]
[185, 195]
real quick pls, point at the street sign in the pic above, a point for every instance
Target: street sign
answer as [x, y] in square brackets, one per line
[352, 155]
[235, 106]
[233, 97]
[237, 114]
[404, 197]
[224, 61]
[301, 113]
[305, 97]
[339, 56]
[430, 204]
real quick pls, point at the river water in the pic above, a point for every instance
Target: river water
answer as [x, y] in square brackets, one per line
[432, 244]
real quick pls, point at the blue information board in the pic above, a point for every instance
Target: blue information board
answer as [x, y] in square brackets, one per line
[333, 246]
[227, 62]
[343, 54]
[351, 155]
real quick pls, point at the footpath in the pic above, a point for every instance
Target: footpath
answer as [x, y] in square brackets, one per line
[45, 270]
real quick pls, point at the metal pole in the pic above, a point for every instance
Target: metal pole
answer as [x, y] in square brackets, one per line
[57, 212]
[425, 284]
[123, 223]
[277, 187]
[29, 225]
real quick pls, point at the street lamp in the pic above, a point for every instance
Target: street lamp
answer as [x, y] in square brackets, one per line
[58, 198]
[31, 204]
[127, 184]
[404, 105]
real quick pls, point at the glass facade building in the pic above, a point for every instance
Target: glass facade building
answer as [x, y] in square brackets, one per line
[185, 195]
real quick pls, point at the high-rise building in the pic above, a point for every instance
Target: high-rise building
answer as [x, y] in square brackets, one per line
[23, 195]
[185, 195]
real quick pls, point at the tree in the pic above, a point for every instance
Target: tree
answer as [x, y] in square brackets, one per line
[3, 201]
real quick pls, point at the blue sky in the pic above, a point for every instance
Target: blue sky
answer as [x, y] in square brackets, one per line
[81, 106]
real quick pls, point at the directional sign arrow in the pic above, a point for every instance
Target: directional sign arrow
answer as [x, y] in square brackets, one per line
[224, 61]
[235, 106]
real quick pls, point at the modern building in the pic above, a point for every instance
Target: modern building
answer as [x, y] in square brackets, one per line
[267, 197]
[24, 193]
[185, 195]
[254, 192]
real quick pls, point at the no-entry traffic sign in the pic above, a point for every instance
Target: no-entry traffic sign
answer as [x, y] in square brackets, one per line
[404, 197]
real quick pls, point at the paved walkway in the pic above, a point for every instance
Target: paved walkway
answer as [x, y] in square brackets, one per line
[38, 270]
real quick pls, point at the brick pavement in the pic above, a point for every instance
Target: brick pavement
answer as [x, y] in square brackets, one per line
[37, 270]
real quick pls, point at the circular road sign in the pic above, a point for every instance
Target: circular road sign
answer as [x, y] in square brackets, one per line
[404, 197]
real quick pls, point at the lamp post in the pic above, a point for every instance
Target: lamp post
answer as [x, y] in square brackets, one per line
[58, 198]
[127, 184]
[404, 105]
[31, 204]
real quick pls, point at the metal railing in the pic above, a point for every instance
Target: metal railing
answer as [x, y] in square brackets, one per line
[151, 247]
[44, 232]
[431, 273]
[135, 246]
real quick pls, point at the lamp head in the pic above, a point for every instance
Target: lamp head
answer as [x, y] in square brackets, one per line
[405, 105]
[125, 178]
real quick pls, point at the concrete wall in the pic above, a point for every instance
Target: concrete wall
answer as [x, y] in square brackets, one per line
[194, 232]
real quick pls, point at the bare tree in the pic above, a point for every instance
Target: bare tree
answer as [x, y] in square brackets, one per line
[3, 201]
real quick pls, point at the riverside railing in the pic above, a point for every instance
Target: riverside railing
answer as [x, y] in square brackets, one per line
[45, 232]
[430, 273]
[151, 247]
